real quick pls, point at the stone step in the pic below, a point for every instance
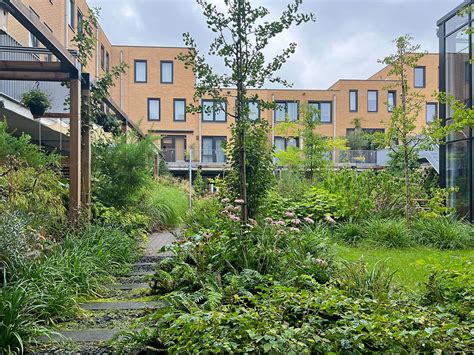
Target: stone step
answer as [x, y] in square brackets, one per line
[140, 273]
[154, 258]
[143, 267]
[119, 305]
[129, 286]
[81, 336]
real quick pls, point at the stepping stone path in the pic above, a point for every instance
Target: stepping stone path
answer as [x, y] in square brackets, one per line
[105, 318]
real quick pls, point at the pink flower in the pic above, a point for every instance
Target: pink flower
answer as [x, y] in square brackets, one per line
[268, 220]
[234, 217]
[225, 200]
[308, 220]
[239, 201]
[294, 229]
[280, 232]
[252, 222]
[296, 221]
[280, 223]
[289, 214]
[321, 262]
[329, 219]
[207, 235]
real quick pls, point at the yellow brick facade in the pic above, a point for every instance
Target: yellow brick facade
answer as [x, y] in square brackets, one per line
[133, 97]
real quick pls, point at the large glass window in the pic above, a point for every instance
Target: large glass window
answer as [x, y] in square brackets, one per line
[166, 72]
[372, 101]
[212, 149]
[254, 110]
[80, 18]
[353, 100]
[391, 101]
[179, 109]
[431, 111]
[325, 110]
[457, 67]
[140, 71]
[71, 12]
[107, 62]
[420, 77]
[286, 109]
[214, 111]
[153, 109]
[457, 175]
[281, 143]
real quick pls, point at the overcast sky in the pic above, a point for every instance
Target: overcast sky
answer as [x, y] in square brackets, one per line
[345, 42]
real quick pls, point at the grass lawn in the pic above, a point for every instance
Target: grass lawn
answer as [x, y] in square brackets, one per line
[412, 265]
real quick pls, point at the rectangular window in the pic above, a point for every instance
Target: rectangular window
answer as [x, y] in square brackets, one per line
[286, 109]
[179, 110]
[391, 101]
[254, 110]
[107, 62]
[281, 143]
[325, 110]
[102, 56]
[353, 100]
[214, 111]
[33, 41]
[140, 71]
[372, 101]
[80, 18]
[431, 111]
[154, 109]
[420, 77]
[71, 11]
[212, 149]
[166, 72]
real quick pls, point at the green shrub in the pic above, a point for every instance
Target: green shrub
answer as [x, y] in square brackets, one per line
[356, 279]
[17, 319]
[351, 232]
[204, 215]
[166, 205]
[122, 170]
[389, 233]
[135, 224]
[443, 233]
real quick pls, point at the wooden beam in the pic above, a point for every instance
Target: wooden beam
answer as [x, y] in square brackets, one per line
[33, 76]
[34, 25]
[75, 151]
[86, 155]
[56, 115]
[122, 116]
[31, 66]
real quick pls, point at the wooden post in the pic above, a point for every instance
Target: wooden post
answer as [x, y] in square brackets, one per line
[156, 167]
[75, 150]
[86, 148]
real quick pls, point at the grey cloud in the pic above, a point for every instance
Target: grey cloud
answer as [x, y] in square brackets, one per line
[347, 39]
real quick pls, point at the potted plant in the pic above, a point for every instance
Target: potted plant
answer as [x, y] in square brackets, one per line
[37, 101]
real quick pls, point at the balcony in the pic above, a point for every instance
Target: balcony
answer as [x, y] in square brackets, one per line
[178, 159]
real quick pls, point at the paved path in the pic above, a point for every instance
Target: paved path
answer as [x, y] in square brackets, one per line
[128, 288]
[158, 240]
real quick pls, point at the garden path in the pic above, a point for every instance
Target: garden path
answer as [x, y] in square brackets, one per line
[120, 309]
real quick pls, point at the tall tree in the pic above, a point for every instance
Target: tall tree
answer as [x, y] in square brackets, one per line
[401, 135]
[243, 34]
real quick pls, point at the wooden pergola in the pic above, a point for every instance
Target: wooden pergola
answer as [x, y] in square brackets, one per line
[66, 69]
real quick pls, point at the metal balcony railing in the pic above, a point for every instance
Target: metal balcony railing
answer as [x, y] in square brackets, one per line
[356, 157]
[180, 157]
[15, 88]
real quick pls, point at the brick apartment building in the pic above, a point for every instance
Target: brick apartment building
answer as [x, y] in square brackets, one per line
[156, 89]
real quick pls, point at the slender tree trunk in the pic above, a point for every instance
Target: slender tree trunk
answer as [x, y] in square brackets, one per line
[240, 119]
[407, 186]
[406, 157]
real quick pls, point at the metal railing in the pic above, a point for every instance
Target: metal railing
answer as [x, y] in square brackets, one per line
[174, 157]
[16, 88]
[356, 157]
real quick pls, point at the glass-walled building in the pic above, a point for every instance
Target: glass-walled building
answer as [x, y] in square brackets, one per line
[456, 157]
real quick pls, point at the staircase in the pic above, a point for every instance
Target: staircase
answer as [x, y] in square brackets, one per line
[127, 301]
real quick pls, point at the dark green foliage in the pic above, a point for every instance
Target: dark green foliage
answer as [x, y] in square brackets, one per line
[17, 319]
[37, 101]
[199, 185]
[318, 319]
[443, 233]
[164, 204]
[122, 169]
[204, 215]
[259, 165]
[359, 281]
